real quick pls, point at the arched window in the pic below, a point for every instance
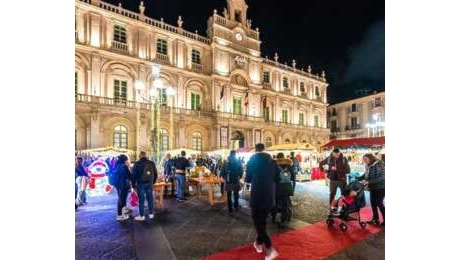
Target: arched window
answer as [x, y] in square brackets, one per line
[120, 137]
[196, 141]
[164, 139]
[287, 141]
[268, 142]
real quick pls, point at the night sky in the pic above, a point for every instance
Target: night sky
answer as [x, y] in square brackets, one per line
[345, 38]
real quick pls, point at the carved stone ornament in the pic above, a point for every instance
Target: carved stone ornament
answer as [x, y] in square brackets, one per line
[142, 7]
[179, 22]
[240, 61]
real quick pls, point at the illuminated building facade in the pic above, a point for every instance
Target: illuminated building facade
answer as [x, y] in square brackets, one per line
[226, 94]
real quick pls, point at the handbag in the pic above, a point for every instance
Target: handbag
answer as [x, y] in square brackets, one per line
[134, 199]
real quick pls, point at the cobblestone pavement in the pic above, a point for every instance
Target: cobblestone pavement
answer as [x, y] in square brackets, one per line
[189, 230]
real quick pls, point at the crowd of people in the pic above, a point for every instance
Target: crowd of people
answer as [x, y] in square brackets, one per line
[272, 182]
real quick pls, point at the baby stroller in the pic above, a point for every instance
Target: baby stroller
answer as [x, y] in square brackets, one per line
[350, 212]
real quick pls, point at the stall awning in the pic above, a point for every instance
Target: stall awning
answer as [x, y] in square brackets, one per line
[301, 146]
[360, 142]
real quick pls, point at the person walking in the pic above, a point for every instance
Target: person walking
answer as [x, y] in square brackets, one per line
[295, 169]
[374, 177]
[283, 189]
[121, 180]
[169, 173]
[338, 168]
[144, 176]
[232, 172]
[181, 166]
[262, 173]
[82, 182]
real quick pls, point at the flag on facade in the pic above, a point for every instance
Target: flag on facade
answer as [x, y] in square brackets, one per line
[246, 100]
[264, 101]
[222, 93]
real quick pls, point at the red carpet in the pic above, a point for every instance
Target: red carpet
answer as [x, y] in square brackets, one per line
[315, 241]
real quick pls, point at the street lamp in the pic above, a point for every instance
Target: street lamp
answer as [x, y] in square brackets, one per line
[154, 99]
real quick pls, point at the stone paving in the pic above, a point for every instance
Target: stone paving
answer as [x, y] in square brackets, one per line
[193, 229]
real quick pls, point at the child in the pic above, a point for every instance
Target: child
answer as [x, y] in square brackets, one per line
[348, 199]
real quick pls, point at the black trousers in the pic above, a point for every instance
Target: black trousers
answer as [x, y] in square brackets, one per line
[377, 197]
[333, 185]
[233, 204]
[282, 205]
[293, 186]
[260, 222]
[122, 196]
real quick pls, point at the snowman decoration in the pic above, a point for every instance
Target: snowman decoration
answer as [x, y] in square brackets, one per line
[98, 182]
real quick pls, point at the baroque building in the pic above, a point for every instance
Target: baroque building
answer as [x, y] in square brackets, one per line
[360, 117]
[226, 94]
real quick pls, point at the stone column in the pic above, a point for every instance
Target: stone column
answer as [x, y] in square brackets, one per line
[95, 136]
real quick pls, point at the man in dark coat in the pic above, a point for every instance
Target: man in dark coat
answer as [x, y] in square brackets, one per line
[295, 170]
[145, 174]
[122, 182]
[262, 173]
[338, 169]
[232, 172]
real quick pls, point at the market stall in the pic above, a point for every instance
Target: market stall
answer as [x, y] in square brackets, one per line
[354, 149]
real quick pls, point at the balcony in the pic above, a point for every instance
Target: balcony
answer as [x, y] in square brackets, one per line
[267, 85]
[197, 67]
[162, 58]
[286, 90]
[335, 129]
[352, 127]
[120, 46]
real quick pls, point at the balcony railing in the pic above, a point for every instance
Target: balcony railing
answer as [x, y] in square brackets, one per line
[162, 58]
[352, 127]
[197, 67]
[267, 85]
[295, 70]
[120, 46]
[165, 110]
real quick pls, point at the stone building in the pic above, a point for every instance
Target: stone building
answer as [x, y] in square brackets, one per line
[360, 117]
[226, 94]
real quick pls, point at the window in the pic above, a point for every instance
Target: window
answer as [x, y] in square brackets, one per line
[120, 137]
[353, 108]
[284, 116]
[237, 105]
[354, 122]
[196, 57]
[287, 141]
[378, 102]
[76, 82]
[162, 96]
[334, 125]
[196, 101]
[162, 47]
[302, 87]
[334, 112]
[266, 77]
[268, 142]
[119, 93]
[238, 16]
[196, 141]
[119, 34]
[301, 119]
[266, 114]
[164, 139]
[316, 121]
[285, 82]
[317, 91]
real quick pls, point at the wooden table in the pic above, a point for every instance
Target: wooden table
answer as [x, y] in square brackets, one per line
[159, 191]
[211, 181]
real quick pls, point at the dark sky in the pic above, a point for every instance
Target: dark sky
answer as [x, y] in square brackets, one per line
[345, 38]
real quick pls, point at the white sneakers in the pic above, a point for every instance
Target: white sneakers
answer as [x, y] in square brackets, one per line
[271, 254]
[258, 248]
[140, 218]
[151, 216]
[122, 217]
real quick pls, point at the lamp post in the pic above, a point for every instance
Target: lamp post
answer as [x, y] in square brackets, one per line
[154, 98]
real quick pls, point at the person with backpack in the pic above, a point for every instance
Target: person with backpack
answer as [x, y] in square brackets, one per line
[145, 174]
[262, 174]
[295, 169]
[284, 188]
[232, 172]
[120, 178]
[338, 168]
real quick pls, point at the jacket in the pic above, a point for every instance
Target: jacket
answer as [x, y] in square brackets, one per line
[285, 189]
[295, 167]
[138, 170]
[343, 168]
[80, 171]
[122, 177]
[263, 173]
[376, 176]
[168, 167]
[181, 164]
[232, 171]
